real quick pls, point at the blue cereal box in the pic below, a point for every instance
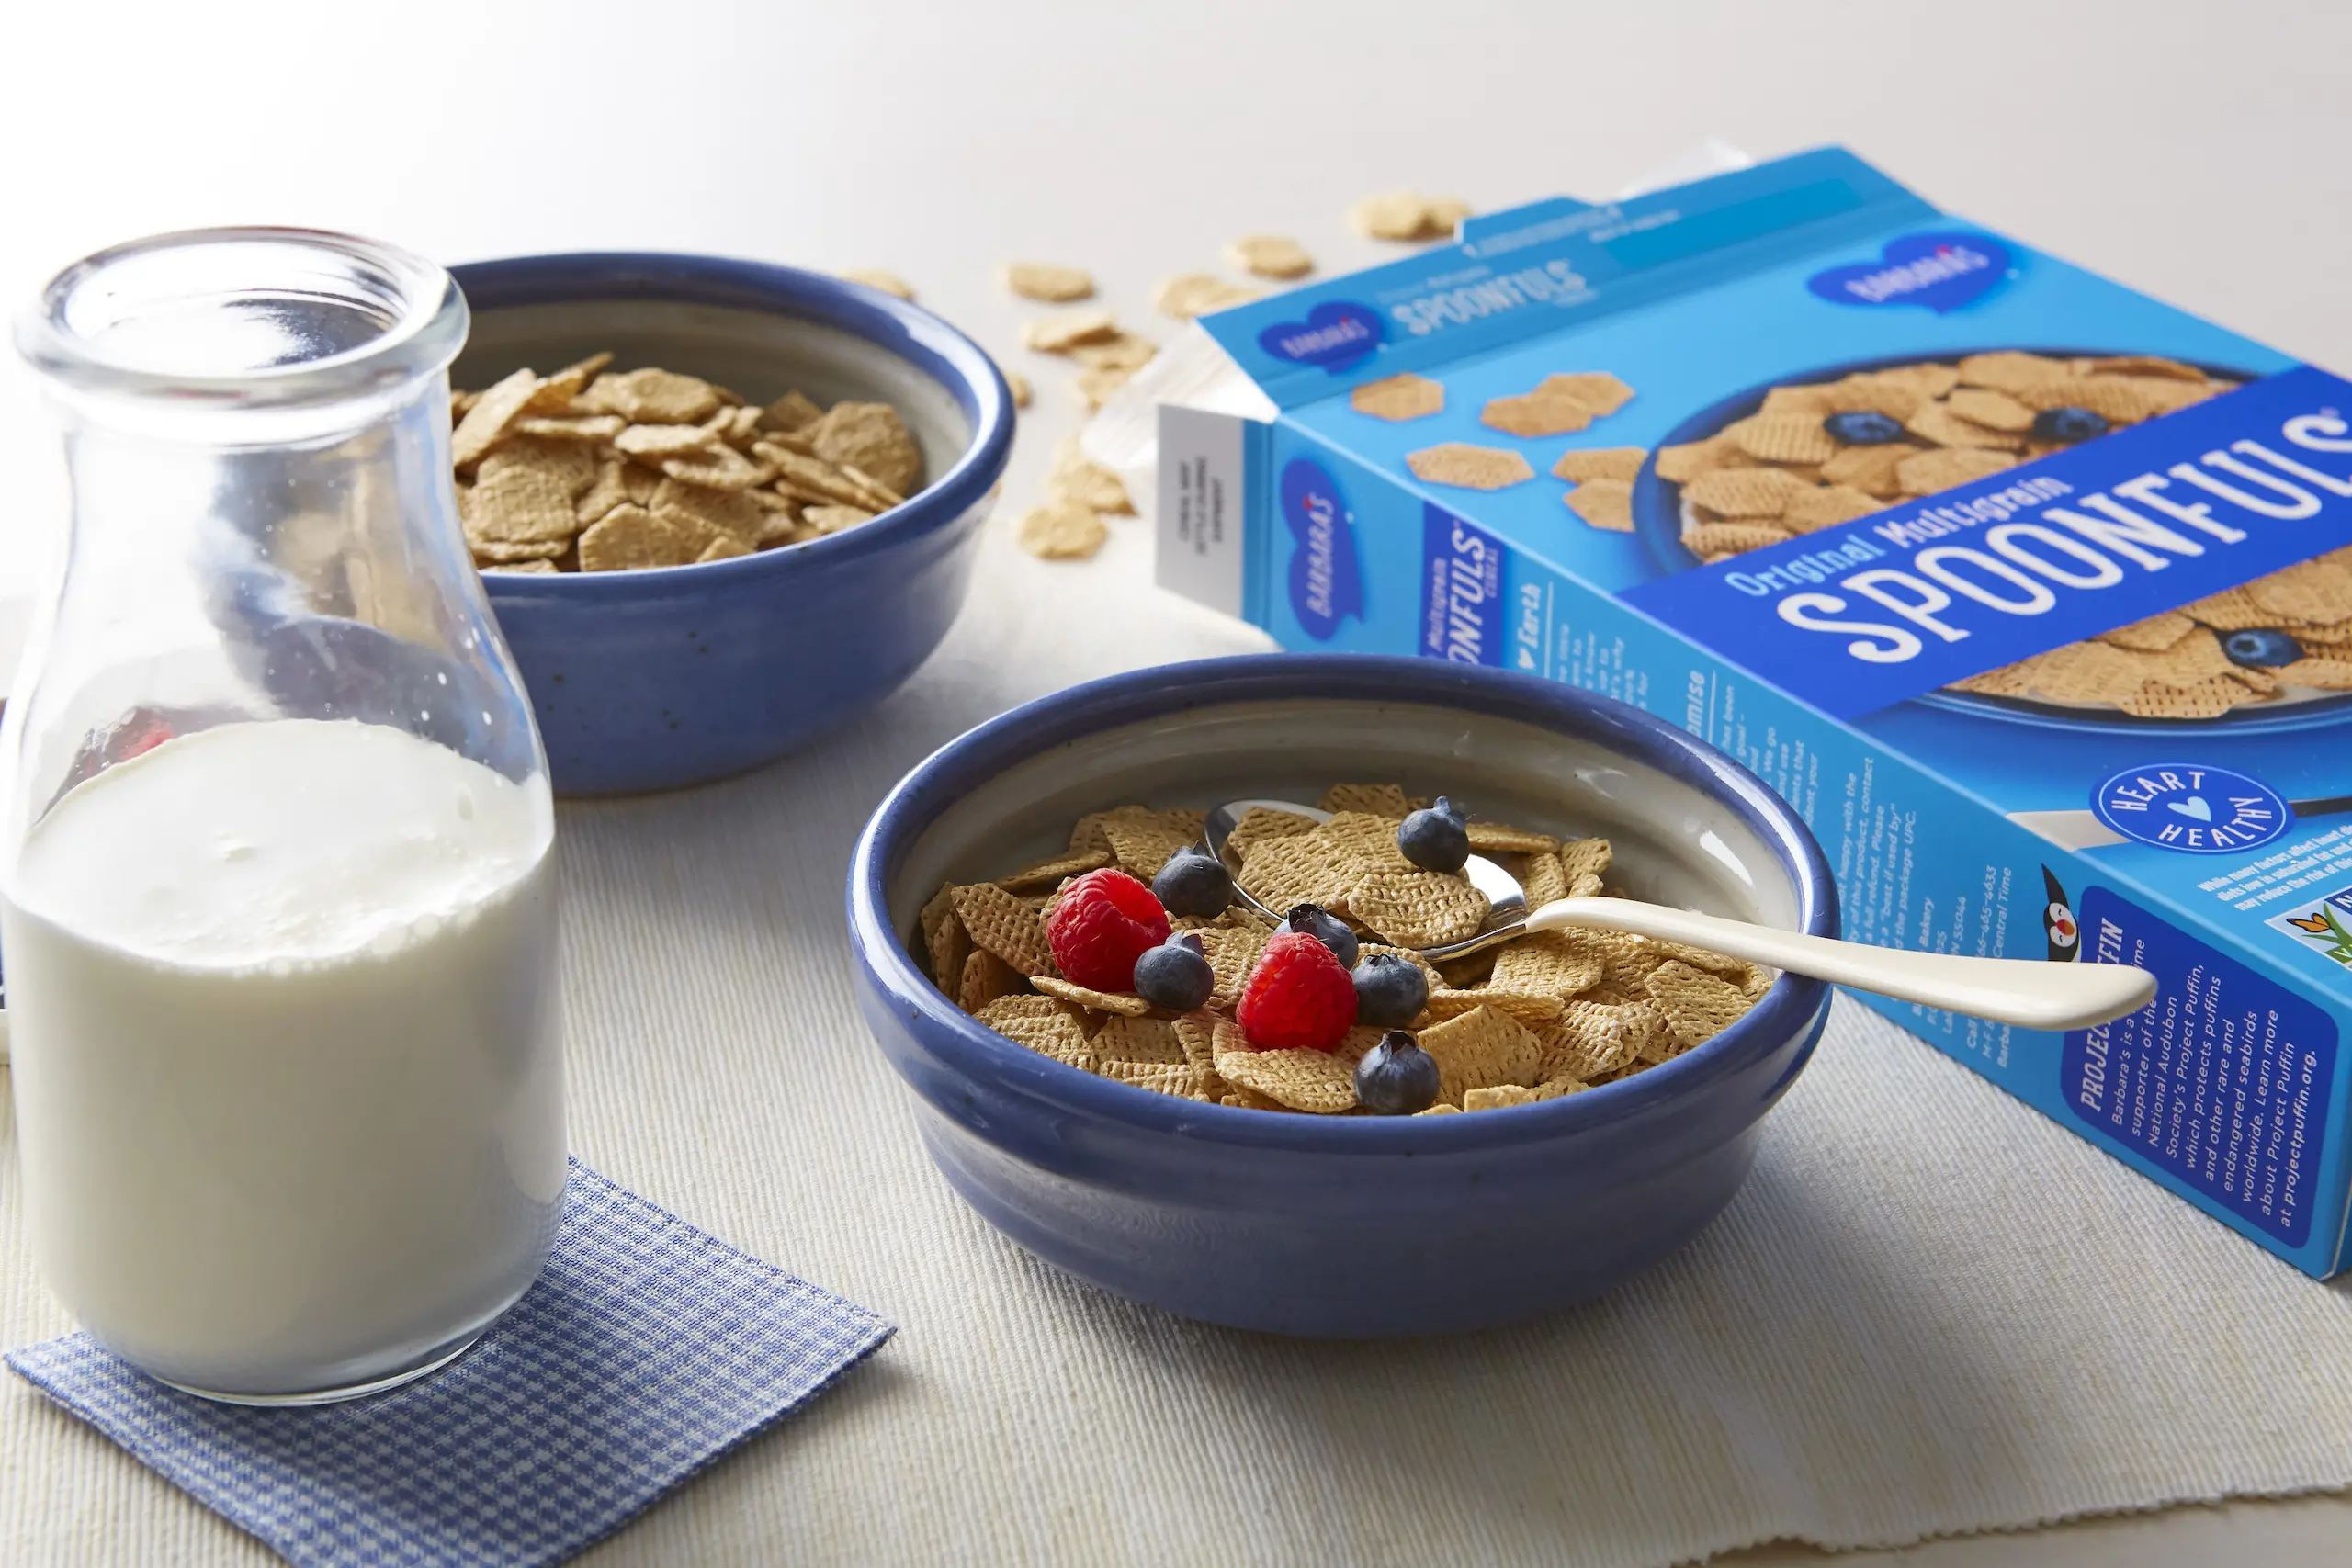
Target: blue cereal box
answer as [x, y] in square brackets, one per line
[2033, 595]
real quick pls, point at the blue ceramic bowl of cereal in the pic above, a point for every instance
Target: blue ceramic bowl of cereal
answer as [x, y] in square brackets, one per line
[727, 654]
[1350, 1224]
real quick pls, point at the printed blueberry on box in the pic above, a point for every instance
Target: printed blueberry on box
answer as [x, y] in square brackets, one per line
[2012, 580]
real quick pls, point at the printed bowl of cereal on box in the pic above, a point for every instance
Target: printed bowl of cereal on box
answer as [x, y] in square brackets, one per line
[719, 506]
[1236, 1089]
[1810, 452]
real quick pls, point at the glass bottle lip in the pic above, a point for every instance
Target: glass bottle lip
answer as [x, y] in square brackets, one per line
[253, 317]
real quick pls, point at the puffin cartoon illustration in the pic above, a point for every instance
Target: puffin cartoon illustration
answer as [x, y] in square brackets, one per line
[2065, 937]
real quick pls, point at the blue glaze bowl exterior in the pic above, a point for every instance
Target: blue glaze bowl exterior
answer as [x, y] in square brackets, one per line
[1342, 1226]
[657, 679]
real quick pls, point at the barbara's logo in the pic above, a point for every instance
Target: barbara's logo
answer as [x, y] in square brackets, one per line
[2191, 808]
[1324, 585]
[1337, 335]
[1942, 272]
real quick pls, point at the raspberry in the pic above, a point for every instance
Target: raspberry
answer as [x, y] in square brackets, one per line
[1100, 925]
[1300, 996]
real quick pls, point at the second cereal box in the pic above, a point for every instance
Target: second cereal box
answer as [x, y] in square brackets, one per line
[2032, 593]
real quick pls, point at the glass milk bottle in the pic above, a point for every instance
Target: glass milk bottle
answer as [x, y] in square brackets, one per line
[276, 885]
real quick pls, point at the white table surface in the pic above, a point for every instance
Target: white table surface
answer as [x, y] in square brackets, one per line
[2196, 154]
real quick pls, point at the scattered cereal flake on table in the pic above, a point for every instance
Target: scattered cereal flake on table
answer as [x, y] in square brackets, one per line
[1059, 334]
[1190, 294]
[882, 278]
[1606, 504]
[1399, 397]
[1269, 256]
[1467, 466]
[1074, 476]
[1407, 215]
[1601, 463]
[1046, 281]
[1122, 350]
[1095, 386]
[1060, 530]
[1017, 384]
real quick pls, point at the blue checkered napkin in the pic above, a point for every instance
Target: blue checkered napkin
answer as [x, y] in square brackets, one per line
[646, 1351]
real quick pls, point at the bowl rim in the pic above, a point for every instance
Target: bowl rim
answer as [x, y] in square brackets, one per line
[1788, 1009]
[773, 288]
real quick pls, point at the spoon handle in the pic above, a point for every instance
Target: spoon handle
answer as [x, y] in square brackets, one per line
[2031, 993]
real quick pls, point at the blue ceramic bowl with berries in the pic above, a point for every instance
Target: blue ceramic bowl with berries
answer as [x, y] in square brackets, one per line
[1360, 1225]
[653, 679]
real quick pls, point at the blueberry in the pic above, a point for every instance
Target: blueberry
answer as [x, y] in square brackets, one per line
[1865, 427]
[2262, 649]
[2068, 424]
[1325, 928]
[1175, 975]
[1193, 882]
[1436, 838]
[1390, 991]
[1396, 1077]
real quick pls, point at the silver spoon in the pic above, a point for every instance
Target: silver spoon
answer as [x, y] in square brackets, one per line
[2031, 993]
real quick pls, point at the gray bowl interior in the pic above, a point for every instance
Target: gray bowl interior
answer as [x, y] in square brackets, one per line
[757, 356]
[1673, 844]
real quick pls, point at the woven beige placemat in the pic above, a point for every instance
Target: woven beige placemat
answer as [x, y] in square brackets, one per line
[1930, 1310]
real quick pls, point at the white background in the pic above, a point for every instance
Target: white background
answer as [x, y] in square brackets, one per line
[2197, 153]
